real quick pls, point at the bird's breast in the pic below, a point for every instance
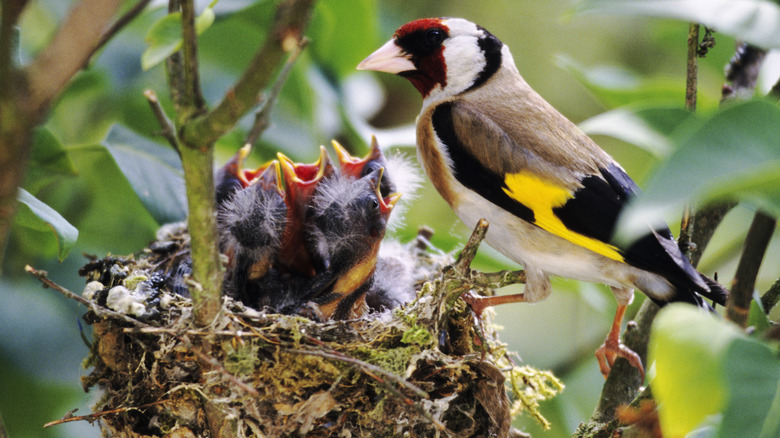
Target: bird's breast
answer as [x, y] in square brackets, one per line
[434, 158]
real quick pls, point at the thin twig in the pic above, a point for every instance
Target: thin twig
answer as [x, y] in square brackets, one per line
[43, 277]
[12, 10]
[193, 101]
[771, 297]
[173, 67]
[69, 50]
[214, 363]
[691, 79]
[756, 242]
[466, 256]
[123, 21]
[289, 24]
[375, 372]
[496, 280]
[167, 131]
[92, 417]
[263, 116]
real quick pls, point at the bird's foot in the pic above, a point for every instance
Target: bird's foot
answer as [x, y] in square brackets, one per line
[610, 350]
[477, 303]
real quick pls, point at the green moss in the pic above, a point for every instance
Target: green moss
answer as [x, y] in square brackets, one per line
[132, 281]
[417, 335]
[241, 359]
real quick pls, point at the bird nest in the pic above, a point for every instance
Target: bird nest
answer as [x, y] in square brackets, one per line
[428, 368]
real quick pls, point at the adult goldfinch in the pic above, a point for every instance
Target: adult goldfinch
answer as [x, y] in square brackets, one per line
[494, 148]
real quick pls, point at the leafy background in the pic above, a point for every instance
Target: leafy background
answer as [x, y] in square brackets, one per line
[98, 166]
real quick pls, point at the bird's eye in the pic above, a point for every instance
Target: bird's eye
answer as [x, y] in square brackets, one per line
[434, 37]
[374, 204]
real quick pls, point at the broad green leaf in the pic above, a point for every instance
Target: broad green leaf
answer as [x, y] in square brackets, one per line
[164, 37]
[35, 215]
[688, 347]
[48, 161]
[757, 317]
[615, 87]
[733, 153]
[154, 172]
[752, 372]
[647, 128]
[753, 21]
[343, 33]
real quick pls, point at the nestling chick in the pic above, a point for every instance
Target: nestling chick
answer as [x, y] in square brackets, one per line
[494, 148]
[252, 222]
[347, 221]
[400, 175]
[301, 181]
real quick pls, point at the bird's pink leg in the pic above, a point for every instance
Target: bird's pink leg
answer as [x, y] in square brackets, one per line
[612, 348]
[479, 303]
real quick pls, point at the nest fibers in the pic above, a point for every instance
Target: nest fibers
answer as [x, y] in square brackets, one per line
[424, 369]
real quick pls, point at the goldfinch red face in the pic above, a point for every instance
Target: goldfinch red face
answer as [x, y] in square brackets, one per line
[439, 56]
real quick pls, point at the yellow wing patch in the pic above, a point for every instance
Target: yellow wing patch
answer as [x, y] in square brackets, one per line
[542, 197]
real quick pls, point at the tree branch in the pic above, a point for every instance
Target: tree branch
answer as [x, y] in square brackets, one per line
[756, 242]
[291, 19]
[11, 10]
[192, 100]
[167, 131]
[771, 297]
[691, 78]
[74, 43]
[119, 24]
[263, 116]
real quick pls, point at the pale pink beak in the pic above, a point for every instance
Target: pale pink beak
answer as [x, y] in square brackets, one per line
[389, 58]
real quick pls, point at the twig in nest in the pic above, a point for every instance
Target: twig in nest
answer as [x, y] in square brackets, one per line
[374, 372]
[43, 277]
[216, 365]
[167, 131]
[92, 417]
[470, 250]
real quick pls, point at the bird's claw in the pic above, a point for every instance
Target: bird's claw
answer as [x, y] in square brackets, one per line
[610, 350]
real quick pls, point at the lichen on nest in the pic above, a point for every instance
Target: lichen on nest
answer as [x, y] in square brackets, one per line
[425, 369]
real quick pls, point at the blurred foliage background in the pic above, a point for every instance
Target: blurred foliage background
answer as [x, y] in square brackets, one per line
[583, 64]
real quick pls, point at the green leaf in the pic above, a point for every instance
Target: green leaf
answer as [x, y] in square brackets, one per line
[37, 216]
[753, 21]
[688, 347]
[731, 154]
[647, 128]
[343, 33]
[705, 366]
[164, 37]
[154, 172]
[753, 373]
[48, 161]
[615, 87]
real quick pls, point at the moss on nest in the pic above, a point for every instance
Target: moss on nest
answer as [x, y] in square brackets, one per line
[421, 370]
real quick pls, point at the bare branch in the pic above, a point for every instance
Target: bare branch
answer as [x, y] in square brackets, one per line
[771, 297]
[168, 132]
[470, 249]
[756, 242]
[192, 100]
[286, 34]
[74, 43]
[11, 10]
[101, 312]
[263, 116]
[118, 25]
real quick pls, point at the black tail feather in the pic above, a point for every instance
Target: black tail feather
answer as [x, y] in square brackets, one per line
[717, 292]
